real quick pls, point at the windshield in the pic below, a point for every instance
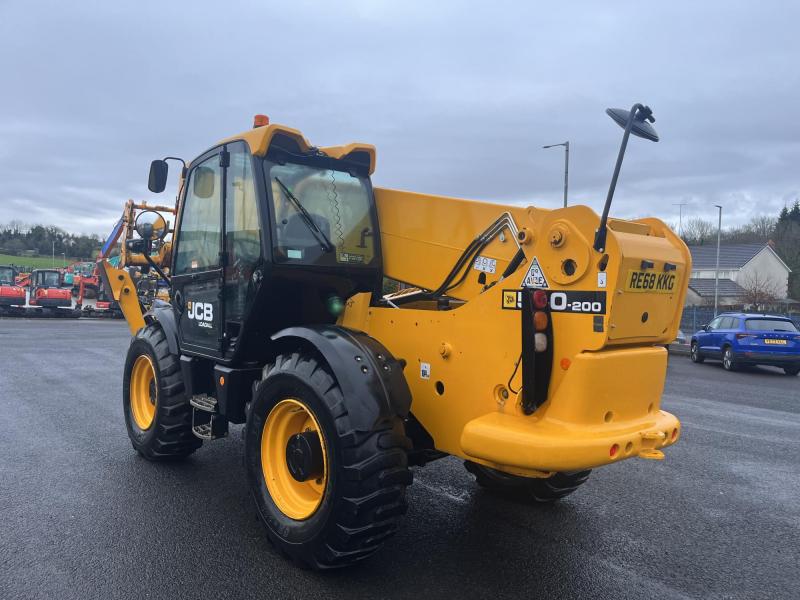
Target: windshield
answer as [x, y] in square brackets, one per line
[334, 208]
[6, 275]
[769, 325]
[48, 278]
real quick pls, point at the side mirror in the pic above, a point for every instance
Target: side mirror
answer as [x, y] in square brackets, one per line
[150, 225]
[157, 180]
[203, 185]
[704, 327]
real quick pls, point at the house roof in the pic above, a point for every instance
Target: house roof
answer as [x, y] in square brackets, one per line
[731, 256]
[727, 288]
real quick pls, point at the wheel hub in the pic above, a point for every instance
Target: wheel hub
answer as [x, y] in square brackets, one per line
[294, 459]
[304, 456]
[143, 392]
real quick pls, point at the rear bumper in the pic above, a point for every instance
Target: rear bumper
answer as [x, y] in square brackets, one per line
[767, 358]
[605, 410]
[511, 441]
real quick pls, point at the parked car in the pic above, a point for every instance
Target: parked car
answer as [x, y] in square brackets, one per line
[740, 339]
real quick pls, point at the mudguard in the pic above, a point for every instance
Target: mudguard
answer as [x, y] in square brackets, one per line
[162, 312]
[371, 379]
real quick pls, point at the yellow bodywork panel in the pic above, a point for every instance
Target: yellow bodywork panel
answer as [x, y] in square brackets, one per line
[124, 291]
[603, 400]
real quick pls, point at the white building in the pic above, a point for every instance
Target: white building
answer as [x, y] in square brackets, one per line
[741, 267]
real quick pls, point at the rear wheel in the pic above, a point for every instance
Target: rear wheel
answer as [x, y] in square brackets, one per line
[791, 370]
[328, 494]
[546, 489]
[728, 362]
[695, 353]
[157, 415]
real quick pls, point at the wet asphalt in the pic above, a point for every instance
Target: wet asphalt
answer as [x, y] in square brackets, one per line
[83, 516]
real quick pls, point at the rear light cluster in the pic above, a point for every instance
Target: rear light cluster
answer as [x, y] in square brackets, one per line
[537, 349]
[540, 320]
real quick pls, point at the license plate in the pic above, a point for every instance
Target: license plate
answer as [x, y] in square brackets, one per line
[776, 342]
[650, 282]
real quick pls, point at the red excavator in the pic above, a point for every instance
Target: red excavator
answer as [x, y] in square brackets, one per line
[10, 293]
[46, 290]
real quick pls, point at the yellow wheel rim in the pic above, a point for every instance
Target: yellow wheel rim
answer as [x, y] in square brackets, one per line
[144, 392]
[298, 500]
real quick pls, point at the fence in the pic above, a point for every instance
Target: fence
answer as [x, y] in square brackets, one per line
[694, 317]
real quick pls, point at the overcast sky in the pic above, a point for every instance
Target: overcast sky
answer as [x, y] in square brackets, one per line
[458, 97]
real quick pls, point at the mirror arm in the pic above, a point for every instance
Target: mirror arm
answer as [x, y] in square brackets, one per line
[600, 235]
[180, 160]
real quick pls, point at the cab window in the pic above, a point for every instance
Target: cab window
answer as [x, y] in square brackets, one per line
[714, 324]
[199, 236]
[315, 207]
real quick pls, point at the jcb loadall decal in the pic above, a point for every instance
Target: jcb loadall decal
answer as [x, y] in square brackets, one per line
[592, 303]
[202, 312]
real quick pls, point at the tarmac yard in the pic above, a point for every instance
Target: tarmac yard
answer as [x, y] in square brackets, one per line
[83, 516]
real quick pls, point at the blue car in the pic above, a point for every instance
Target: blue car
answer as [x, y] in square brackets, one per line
[740, 339]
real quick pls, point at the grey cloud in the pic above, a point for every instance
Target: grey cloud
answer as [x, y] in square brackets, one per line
[458, 97]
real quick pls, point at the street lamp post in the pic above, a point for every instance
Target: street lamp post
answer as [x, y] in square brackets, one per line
[680, 206]
[566, 166]
[716, 270]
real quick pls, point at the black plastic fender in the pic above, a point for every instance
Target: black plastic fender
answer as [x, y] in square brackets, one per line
[162, 312]
[371, 379]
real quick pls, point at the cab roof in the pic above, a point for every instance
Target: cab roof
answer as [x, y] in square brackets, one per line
[261, 139]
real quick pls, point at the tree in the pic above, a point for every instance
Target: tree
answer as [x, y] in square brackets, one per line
[759, 290]
[698, 231]
[794, 214]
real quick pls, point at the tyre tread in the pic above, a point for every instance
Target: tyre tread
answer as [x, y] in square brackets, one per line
[375, 474]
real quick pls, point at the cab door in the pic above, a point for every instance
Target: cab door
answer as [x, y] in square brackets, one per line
[242, 244]
[197, 265]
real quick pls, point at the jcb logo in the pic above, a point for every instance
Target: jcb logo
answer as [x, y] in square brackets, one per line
[200, 311]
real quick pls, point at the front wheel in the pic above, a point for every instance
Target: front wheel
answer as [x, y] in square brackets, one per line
[695, 353]
[728, 362]
[328, 494]
[791, 370]
[157, 415]
[542, 490]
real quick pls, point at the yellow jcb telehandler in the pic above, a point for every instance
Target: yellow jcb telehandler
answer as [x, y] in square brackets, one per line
[527, 342]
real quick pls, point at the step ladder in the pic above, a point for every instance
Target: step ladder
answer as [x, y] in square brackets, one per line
[207, 423]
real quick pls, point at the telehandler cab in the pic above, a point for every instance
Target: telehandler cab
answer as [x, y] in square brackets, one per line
[527, 342]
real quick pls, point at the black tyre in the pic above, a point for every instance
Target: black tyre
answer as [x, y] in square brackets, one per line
[543, 490]
[794, 370]
[694, 353]
[728, 361]
[329, 495]
[157, 414]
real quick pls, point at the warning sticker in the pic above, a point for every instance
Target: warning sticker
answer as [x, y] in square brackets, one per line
[512, 299]
[535, 277]
[487, 265]
[425, 370]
